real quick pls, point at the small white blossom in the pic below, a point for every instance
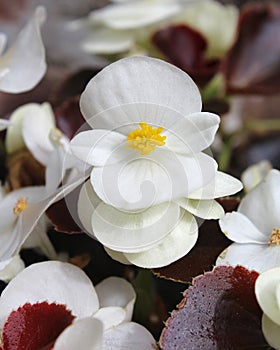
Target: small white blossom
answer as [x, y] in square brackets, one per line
[255, 227]
[267, 289]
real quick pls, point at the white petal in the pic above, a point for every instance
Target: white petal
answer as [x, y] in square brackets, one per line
[110, 316]
[252, 256]
[171, 248]
[115, 291]
[141, 181]
[37, 123]
[14, 140]
[196, 132]
[10, 268]
[222, 185]
[118, 256]
[99, 147]
[136, 15]
[83, 334]
[25, 60]
[240, 229]
[50, 281]
[4, 124]
[107, 41]
[205, 209]
[3, 41]
[87, 203]
[39, 239]
[133, 232]
[128, 335]
[271, 332]
[158, 81]
[262, 205]
[253, 175]
[267, 293]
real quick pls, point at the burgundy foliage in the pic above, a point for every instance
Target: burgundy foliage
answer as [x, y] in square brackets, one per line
[219, 311]
[185, 47]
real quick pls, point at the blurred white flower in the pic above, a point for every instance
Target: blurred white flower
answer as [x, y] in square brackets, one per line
[102, 314]
[253, 175]
[23, 65]
[20, 215]
[33, 126]
[4, 124]
[117, 27]
[213, 20]
[267, 289]
[255, 228]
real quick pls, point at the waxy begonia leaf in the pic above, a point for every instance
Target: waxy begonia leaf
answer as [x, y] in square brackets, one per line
[186, 48]
[219, 311]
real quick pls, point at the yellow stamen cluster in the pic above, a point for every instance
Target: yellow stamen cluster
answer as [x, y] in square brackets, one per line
[275, 237]
[146, 139]
[20, 206]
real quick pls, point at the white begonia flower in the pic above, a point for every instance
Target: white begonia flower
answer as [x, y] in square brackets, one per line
[149, 169]
[253, 175]
[213, 20]
[148, 134]
[255, 228]
[267, 290]
[33, 126]
[102, 314]
[23, 65]
[117, 27]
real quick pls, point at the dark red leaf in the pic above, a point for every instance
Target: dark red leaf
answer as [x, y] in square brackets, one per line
[63, 214]
[253, 63]
[211, 242]
[35, 327]
[220, 311]
[186, 48]
[69, 117]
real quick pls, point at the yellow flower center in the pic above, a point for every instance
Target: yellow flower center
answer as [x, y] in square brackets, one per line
[20, 206]
[55, 135]
[275, 237]
[146, 139]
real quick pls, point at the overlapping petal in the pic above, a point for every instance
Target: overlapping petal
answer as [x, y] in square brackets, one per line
[133, 231]
[160, 177]
[171, 248]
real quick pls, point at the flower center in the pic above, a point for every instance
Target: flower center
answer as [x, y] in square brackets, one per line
[275, 237]
[146, 139]
[55, 135]
[20, 206]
